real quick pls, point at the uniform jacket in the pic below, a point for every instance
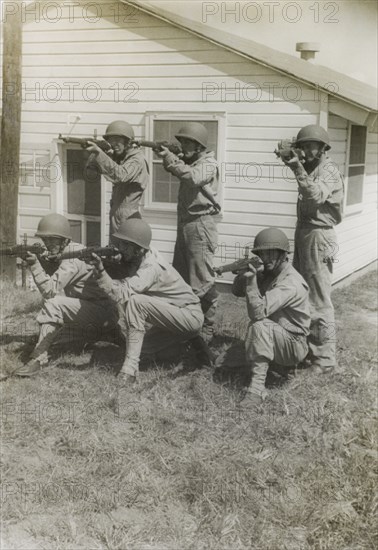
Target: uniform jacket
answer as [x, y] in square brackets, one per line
[74, 278]
[129, 178]
[285, 300]
[201, 173]
[155, 277]
[320, 194]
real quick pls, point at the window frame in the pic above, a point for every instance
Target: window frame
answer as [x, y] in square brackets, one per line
[149, 205]
[61, 195]
[358, 207]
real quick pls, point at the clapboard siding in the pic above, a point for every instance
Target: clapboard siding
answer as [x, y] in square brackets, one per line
[355, 249]
[127, 63]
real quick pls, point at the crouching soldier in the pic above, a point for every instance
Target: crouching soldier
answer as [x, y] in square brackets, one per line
[72, 297]
[278, 308]
[197, 236]
[155, 294]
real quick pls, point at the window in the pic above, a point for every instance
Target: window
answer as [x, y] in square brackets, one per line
[163, 191]
[34, 167]
[82, 198]
[356, 167]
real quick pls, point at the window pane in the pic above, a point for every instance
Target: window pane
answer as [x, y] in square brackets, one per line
[165, 187]
[75, 227]
[93, 233]
[83, 189]
[355, 185]
[357, 145]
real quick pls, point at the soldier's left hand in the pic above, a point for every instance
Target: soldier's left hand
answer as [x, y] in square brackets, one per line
[251, 272]
[162, 151]
[93, 148]
[294, 163]
[97, 264]
[30, 258]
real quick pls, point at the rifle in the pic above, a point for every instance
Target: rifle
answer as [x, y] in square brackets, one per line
[286, 150]
[116, 269]
[86, 253]
[21, 250]
[85, 142]
[175, 148]
[240, 265]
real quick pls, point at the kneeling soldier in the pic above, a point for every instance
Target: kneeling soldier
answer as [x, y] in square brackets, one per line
[72, 297]
[278, 308]
[154, 294]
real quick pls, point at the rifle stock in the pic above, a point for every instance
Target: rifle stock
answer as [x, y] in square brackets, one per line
[239, 265]
[175, 148]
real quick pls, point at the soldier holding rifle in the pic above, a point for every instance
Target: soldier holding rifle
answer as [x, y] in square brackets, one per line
[155, 294]
[71, 295]
[197, 236]
[278, 308]
[319, 209]
[125, 167]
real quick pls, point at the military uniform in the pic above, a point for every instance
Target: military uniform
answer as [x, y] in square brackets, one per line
[72, 296]
[156, 295]
[279, 323]
[197, 236]
[129, 177]
[319, 209]
[74, 308]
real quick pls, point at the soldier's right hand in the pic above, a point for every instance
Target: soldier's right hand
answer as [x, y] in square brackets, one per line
[162, 151]
[30, 258]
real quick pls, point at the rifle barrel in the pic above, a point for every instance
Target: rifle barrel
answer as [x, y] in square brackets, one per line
[85, 253]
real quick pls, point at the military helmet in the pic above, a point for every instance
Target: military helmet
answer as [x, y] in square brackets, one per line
[313, 132]
[119, 128]
[194, 131]
[54, 225]
[136, 231]
[270, 239]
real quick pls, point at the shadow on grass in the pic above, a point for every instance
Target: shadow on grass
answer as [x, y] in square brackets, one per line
[233, 371]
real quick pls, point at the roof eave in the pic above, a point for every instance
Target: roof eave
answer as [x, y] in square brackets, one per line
[165, 16]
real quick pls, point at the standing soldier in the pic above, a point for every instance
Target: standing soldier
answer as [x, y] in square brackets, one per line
[197, 237]
[71, 295]
[319, 209]
[278, 308]
[126, 168]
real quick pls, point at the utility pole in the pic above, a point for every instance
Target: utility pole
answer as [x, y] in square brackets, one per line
[10, 132]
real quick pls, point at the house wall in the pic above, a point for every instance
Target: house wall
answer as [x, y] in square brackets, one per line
[120, 67]
[357, 234]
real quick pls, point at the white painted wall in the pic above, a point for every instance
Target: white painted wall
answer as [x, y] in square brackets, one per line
[111, 70]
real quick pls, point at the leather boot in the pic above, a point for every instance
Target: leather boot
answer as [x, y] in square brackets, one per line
[39, 356]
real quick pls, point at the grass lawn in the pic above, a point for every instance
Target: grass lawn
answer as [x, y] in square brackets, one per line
[174, 462]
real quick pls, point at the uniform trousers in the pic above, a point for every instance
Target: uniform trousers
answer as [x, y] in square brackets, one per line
[315, 250]
[267, 341]
[170, 324]
[196, 243]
